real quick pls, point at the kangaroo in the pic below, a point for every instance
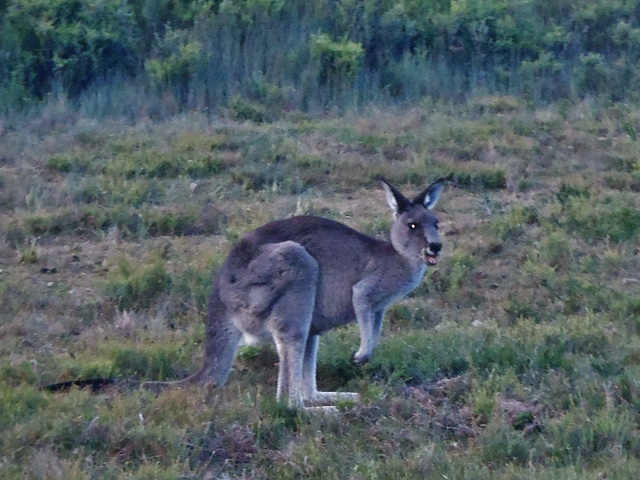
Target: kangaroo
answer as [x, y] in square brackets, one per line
[296, 278]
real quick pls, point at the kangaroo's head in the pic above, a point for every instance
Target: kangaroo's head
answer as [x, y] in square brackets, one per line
[414, 233]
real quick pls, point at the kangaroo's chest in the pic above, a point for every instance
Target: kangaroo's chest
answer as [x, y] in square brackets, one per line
[415, 279]
[394, 287]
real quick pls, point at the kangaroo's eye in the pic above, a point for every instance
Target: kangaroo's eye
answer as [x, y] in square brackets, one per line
[413, 226]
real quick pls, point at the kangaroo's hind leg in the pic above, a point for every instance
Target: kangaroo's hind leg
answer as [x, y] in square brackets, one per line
[290, 288]
[312, 397]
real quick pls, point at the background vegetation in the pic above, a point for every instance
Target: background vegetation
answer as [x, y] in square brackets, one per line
[140, 140]
[263, 56]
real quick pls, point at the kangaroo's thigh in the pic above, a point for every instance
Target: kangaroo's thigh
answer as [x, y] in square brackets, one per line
[281, 268]
[274, 294]
[290, 314]
[254, 288]
[292, 295]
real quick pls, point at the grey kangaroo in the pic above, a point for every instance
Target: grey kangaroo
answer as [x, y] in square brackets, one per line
[296, 278]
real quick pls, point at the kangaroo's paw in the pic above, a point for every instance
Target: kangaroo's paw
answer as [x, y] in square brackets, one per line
[360, 358]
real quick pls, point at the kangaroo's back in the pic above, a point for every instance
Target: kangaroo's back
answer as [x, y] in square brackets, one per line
[342, 253]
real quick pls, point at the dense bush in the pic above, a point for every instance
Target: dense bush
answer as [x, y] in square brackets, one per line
[65, 44]
[201, 54]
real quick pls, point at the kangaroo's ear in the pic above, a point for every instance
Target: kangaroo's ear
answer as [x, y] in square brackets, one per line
[398, 202]
[430, 196]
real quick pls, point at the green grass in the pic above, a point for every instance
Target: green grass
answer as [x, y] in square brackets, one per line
[516, 358]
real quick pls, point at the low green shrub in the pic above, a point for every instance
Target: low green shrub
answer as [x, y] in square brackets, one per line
[502, 444]
[69, 163]
[455, 272]
[567, 192]
[19, 403]
[526, 306]
[420, 357]
[243, 109]
[482, 178]
[192, 287]
[612, 218]
[134, 192]
[158, 222]
[514, 223]
[39, 223]
[152, 163]
[17, 374]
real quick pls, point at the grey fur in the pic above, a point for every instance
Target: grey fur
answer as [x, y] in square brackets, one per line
[296, 278]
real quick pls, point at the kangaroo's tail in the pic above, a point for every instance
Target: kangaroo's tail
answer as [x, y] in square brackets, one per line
[221, 343]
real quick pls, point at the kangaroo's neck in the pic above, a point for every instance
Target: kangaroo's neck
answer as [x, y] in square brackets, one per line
[413, 261]
[416, 268]
[410, 267]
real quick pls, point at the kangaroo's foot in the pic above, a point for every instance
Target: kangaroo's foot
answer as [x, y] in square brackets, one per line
[325, 410]
[330, 398]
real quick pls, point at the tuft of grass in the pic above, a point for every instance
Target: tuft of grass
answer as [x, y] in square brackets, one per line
[14, 235]
[29, 256]
[577, 435]
[17, 374]
[420, 357]
[155, 363]
[151, 163]
[158, 222]
[555, 250]
[136, 287]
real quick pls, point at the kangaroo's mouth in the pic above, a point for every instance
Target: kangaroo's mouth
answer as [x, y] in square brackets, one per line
[430, 257]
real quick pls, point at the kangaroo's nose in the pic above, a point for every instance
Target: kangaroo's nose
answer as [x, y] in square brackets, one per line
[435, 247]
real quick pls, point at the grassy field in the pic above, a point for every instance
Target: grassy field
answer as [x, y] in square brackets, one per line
[518, 357]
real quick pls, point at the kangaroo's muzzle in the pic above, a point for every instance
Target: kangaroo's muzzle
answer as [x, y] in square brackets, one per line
[431, 253]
